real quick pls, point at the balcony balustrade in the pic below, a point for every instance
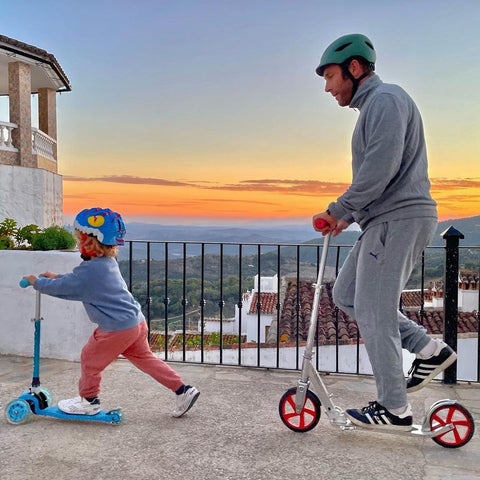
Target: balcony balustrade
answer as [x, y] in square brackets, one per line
[6, 136]
[42, 144]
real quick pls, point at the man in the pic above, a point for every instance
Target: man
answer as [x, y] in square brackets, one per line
[389, 198]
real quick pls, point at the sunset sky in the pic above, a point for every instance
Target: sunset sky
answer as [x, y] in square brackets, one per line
[189, 111]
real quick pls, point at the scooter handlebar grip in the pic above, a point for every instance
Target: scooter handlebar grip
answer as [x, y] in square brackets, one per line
[320, 223]
[24, 283]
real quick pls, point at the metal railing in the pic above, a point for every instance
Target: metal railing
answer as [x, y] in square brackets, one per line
[181, 285]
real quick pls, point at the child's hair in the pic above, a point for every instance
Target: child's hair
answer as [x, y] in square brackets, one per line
[91, 244]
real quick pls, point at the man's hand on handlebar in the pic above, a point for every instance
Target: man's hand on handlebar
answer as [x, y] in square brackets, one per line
[326, 223]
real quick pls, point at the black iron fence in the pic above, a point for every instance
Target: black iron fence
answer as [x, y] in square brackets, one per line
[207, 302]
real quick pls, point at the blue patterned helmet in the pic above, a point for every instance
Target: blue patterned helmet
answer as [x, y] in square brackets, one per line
[105, 225]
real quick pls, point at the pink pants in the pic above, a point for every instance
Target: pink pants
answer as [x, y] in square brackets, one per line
[103, 348]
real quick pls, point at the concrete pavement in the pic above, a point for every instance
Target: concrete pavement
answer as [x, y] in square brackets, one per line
[233, 432]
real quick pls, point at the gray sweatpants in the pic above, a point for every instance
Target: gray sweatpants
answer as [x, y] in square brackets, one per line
[368, 289]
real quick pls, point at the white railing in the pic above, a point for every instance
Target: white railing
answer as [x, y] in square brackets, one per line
[42, 144]
[6, 136]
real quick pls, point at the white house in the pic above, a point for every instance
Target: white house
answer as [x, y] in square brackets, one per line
[30, 186]
[248, 316]
[256, 320]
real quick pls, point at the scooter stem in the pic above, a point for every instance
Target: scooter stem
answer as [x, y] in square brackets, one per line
[308, 352]
[36, 344]
[307, 366]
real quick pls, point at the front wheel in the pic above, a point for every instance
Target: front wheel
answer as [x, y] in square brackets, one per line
[460, 418]
[307, 418]
[18, 411]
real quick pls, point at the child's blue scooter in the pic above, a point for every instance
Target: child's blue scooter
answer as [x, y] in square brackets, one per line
[37, 400]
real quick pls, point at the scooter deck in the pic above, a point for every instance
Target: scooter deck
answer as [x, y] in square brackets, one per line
[419, 430]
[106, 416]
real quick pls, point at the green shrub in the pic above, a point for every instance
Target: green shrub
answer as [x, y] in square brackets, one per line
[24, 236]
[31, 237]
[8, 227]
[53, 238]
[6, 242]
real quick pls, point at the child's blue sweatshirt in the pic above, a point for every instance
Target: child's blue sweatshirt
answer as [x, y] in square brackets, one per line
[99, 284]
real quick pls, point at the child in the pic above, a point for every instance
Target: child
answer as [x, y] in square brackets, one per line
[98, 283]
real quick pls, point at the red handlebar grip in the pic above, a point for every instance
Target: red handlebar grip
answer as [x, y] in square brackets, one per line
[320, 223]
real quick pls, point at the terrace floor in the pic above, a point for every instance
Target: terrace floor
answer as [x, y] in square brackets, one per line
[233, 432]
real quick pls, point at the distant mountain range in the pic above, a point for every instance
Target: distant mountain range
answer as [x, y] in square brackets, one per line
[469, 227]
[258, 234]
[224, 234]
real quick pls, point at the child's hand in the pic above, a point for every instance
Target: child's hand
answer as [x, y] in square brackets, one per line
[49, 275]
[30, 278]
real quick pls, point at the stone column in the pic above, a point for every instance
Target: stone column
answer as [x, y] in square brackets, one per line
[47, 114]
[19, 90]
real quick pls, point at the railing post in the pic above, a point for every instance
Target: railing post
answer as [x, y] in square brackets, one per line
[450, 302]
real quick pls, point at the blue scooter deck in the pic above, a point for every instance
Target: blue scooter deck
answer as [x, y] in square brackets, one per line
[114, 416]
[106, 416]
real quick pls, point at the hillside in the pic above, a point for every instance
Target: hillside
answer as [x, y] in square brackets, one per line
[249, 236]
[470, 227]
[304, 233]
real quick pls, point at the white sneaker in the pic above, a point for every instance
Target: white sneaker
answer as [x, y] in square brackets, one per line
[184, 402]
[78, 406]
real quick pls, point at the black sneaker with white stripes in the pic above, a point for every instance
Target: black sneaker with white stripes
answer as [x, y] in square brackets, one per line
[376, 416]
[425, 369]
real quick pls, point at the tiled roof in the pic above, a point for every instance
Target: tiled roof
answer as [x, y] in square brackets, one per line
[433, 321]
[411, 299]
[268, 301]
[298, 312]
[295, 315]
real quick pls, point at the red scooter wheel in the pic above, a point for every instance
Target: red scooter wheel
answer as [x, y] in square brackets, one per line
[460, 418]
[307, 418]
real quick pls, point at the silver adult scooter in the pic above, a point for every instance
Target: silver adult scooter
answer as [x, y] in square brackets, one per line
[447, 422]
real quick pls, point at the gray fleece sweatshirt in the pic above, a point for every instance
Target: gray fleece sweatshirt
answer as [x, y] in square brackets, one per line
[389, 159]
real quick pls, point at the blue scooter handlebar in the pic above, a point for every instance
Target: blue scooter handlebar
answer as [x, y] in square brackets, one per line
[24, 283]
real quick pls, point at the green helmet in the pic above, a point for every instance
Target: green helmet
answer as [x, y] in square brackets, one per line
[348, 46]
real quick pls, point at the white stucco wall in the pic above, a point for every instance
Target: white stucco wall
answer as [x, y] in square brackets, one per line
[466, 369]
[65, 327]
[467, 300]
[30, 196]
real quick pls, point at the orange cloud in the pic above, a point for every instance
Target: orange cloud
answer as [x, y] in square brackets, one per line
[442, 184]
[133, 180]
[287, 187]
[251, 198]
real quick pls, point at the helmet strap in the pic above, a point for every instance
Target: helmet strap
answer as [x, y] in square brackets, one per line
[355, 81]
